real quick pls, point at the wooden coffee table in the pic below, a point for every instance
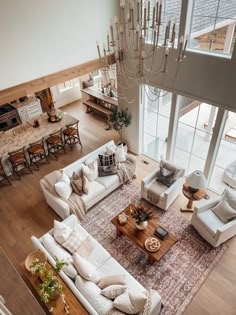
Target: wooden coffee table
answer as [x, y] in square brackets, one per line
[75, 307]
[138, 237]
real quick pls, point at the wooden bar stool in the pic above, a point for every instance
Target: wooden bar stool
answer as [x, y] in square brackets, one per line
[18, 161]
[37, 153]
[3, 174]
[55, 143]
[71, 135]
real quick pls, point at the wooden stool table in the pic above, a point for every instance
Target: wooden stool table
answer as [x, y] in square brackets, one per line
[75, 307]
[192, 196]
[138, 237]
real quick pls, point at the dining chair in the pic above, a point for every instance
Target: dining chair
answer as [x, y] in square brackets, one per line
[71, 135]
[55, 143]
[37, 153]
[19, 161]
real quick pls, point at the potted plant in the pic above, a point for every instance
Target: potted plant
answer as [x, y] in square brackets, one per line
[51, 287]
[118, 120]
[141, 216]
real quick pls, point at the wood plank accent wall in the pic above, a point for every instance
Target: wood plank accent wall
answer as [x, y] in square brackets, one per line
[47, 81]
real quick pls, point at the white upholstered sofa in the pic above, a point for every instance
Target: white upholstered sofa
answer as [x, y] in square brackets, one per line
[99, 188]
[87, 292]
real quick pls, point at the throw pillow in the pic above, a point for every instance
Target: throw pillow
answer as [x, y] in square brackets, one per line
[86, 247]
[73, 242]
[107, 165]
[130, 302]
[106, 160]
[224, 211]
[85, 185]
[55, 250]
[230, 196]
[63, 187]
[85, 268]
[120, 154]
[112, 291]
[76, 182]
[109, 280]
[91, 171]
[111, 149]
[61, 232]
[165, 177]
[171, 167]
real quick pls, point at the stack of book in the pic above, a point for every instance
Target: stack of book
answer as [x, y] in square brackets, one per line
[161, 233]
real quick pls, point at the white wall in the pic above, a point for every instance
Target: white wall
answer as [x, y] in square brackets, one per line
[40, 37]
[202, 77]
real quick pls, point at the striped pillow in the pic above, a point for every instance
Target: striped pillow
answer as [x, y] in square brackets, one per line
[224, 211]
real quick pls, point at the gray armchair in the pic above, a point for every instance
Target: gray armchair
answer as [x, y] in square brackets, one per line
[163, 196]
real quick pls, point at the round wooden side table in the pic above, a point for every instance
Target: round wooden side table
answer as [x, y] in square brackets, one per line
[191, 196]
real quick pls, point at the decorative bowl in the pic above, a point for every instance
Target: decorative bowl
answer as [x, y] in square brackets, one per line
[35, 255]
[152, 244]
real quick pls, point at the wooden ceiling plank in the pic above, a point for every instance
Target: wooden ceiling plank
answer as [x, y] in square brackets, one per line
[47, 81]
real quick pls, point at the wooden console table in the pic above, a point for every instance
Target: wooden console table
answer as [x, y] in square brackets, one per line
[19, 300]
[75, 307]
[96, 101]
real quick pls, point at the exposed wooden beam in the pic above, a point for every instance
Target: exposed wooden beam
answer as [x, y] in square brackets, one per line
[47, 81]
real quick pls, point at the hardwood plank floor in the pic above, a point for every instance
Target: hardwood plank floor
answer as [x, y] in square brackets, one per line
[24, 212]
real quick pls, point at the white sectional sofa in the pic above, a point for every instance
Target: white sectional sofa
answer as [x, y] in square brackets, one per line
[99, 188]
[87, 292]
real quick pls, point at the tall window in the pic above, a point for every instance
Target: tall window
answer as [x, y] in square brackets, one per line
[194, 133]
[225, 165]
[213, 25]
[156, 122]
[170, 10]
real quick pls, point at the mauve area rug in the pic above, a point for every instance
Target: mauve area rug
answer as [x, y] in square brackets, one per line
[179, 274]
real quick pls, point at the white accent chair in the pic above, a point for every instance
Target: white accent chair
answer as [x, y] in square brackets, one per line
[209, 226]
[169, 194]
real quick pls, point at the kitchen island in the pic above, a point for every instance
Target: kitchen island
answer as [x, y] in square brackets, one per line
[22, 135]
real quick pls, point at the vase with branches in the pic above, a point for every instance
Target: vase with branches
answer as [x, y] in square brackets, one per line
[118, 120]
[141, 216]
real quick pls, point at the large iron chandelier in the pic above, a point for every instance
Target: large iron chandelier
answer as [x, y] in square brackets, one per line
[136, 41]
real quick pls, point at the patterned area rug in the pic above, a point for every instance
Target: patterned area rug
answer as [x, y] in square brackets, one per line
[179, 274]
